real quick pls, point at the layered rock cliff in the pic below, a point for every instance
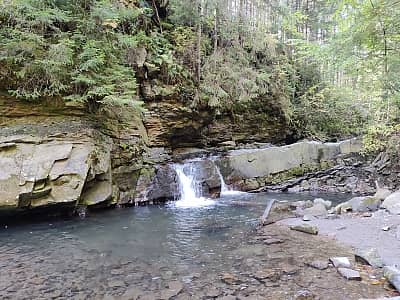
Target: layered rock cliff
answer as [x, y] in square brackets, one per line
[55, 156]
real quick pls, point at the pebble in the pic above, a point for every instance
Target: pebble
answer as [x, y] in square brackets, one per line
[319, 264]
[132, 293]
[386, 228]
[366, 215]
[213, 293]
[229, 278]
[272, 241]
[115, 283]
[305, 295]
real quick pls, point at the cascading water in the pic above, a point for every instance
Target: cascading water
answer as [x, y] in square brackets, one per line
[225, 189]
[189, 190]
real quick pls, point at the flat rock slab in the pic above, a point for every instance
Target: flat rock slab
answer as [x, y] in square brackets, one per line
[349, 274]
[319, 264]
[305, 228]
[393, 275]
[370, 257]
[340, 262]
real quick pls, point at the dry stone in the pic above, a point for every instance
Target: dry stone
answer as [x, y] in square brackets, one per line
[392, 203]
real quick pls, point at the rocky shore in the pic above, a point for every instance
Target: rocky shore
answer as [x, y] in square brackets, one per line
[368, 224]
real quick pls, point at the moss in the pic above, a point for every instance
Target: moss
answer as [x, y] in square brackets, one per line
[296, 172]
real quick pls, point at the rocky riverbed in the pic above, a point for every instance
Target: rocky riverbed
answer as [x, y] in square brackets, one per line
[215, 252]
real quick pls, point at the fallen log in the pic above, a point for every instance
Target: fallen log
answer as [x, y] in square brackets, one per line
[265, 215]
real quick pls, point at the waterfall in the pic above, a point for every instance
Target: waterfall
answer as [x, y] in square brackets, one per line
[225, 189]
[189, 189]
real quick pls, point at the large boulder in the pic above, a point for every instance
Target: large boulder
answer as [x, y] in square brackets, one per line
[392, 203]
[359, 204]
[318, 209]
[163, 185]
[242, 166]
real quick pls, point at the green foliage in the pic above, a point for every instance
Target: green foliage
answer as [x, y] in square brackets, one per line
[326, 113]
[233, 78]
[70, 50]
[329, 68]
[381, 137]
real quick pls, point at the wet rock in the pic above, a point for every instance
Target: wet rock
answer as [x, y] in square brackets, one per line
[229, 297]
[149, 295]
[305, 295]
[340, 262]
[55, 294]
[393, 275]
[115, 283]
[272, 241]
[158, 185]
[264, 275]
[212, 293]
[305, 228]
[132, 293]
[289, 269]
[229, 278]
[175, 286]
[392, 203]
[349, 274]
[319, 264]
[370, 257]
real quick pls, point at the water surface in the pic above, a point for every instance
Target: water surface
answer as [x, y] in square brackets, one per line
[142, 246]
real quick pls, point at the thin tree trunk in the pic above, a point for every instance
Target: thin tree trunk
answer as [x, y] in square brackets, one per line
[216, 16]
[157, 15]
[199, 38]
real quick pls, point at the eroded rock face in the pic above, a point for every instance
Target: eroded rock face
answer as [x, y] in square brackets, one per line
[56, 157]
[156, 184]
[43, 173]
[169, 121]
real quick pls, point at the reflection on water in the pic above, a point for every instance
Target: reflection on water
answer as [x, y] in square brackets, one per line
[142, 243]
